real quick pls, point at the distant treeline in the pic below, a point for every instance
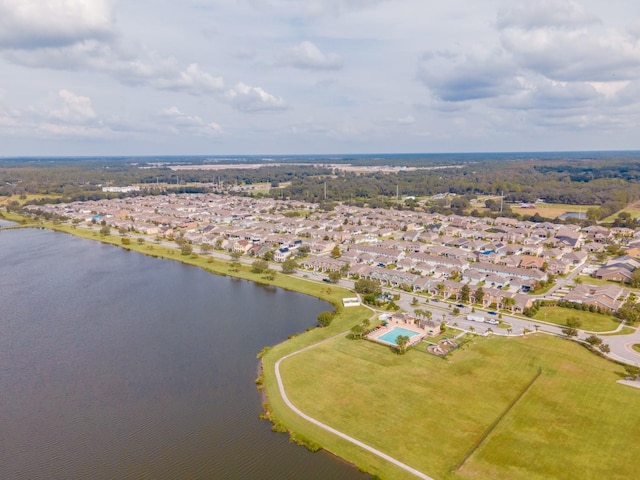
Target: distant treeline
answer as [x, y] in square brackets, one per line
[607, 180]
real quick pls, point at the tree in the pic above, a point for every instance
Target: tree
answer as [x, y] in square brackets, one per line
[479, 296]
[335, 253]
[268, 256]
[206, 247]
[574, 322]
[259, 266]
[414, 301]
[334, 276]
[570, 332]
[593, 340]
[508, 302]
[186, 249]
[105, 230]
[358, 331]
[402, 341]
[289, 265]
[604, 348]
[269, 274]
[365, 286]
[236, 254]
[325, 318]
[632, 371]
[465, 293]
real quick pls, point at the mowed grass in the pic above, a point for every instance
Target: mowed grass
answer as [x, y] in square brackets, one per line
[574, 422]
[593, 322]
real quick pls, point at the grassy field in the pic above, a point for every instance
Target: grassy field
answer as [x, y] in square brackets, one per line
[636, 347]
[547, 210]
[22, 199]
[593, 322]
[633, 209]
[429, 412]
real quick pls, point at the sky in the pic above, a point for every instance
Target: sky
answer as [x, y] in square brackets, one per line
[268, 77]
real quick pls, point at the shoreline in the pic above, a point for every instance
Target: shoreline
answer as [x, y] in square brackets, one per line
[274, 408]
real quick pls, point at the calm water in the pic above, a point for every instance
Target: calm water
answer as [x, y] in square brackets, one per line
[116, 365]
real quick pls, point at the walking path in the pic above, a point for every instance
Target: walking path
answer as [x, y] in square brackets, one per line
[340, 434]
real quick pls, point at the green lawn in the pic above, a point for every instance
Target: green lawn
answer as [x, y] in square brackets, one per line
[593, 322]
[428, 412]
[625, 330]
[636, 347]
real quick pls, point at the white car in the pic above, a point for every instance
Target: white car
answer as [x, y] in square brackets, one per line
[492, 321]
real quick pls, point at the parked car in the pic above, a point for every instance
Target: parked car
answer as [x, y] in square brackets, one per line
[492, 321]
[459, 305]
[491, 312]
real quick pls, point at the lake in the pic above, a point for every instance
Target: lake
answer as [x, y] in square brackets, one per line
[115, 365]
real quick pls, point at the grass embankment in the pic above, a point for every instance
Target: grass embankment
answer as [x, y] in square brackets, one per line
[429, 413]
[636, 347]
[592, 322]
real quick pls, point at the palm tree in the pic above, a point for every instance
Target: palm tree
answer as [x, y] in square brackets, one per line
[402, 342]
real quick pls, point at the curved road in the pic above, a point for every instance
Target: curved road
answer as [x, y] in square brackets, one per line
[340, 434]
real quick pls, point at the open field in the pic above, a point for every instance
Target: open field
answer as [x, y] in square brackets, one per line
[547, 210]
[429, 412]
[593, 322]
[22, 199]
[633, 209]
[597, 281]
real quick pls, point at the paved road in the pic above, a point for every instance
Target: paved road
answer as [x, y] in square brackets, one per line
[338, 433]
[620, 345]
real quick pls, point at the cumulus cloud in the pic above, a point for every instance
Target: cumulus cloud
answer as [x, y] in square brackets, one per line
[179, 122]
[68, 116]
[193, 80]
[545, 94]
[306, 55]
[471, 76]
[131, 68]
[75, 108]
[253, 99]
[545, 14]
[37, 23]
[562, 41]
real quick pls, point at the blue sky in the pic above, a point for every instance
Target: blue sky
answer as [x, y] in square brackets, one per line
[109, 77]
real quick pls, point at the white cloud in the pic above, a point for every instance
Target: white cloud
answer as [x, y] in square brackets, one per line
[470, 76]
[41, 23]
[561, 40]
[179, 122]
[545, 14]
[307, 56]
[131, 68]
[253, 99]
[75, 108]
[193, 80]
[314, 8]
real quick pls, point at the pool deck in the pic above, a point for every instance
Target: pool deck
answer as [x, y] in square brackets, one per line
[380, 331]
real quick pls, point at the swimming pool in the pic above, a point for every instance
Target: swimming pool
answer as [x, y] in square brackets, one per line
[391, 336]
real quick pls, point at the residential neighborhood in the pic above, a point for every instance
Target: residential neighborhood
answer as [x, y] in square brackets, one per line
[412, 250]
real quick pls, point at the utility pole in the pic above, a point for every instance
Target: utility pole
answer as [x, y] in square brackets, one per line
[501, 200]
[325, 191]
